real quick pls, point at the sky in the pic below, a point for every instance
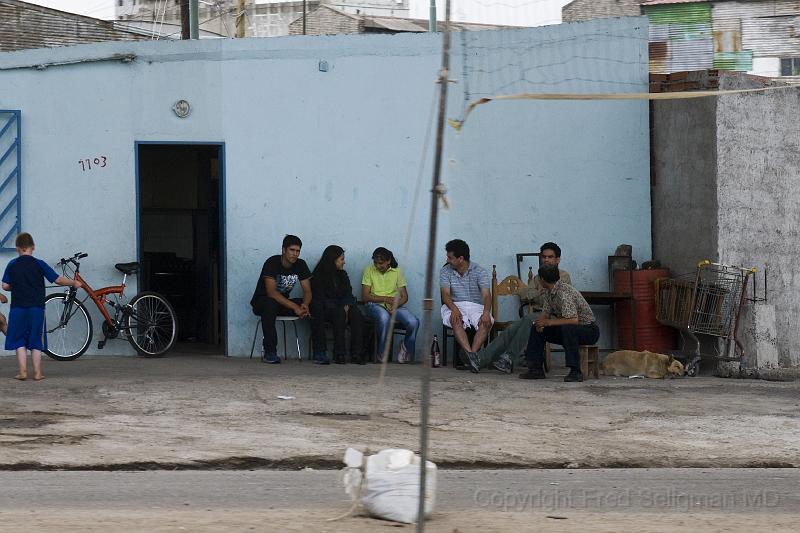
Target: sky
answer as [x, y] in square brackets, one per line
[511, 12]
[508, 12]
[102, 9]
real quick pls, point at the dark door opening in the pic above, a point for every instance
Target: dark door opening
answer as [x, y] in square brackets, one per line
[179, 237]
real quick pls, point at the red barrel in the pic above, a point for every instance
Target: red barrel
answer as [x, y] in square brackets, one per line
[651, 335]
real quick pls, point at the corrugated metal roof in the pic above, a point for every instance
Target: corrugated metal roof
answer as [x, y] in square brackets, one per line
[679, 13]
[696, 54]
[681, 37]
[24, 25]
[419, 25]
[770, 28]
[164, 30]
[658, 2]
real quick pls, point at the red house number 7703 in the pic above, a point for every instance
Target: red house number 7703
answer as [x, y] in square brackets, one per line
[86, 164]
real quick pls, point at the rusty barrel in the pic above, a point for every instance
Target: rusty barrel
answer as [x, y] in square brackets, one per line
[651, 335]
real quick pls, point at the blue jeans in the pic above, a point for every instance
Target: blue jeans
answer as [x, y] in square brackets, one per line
[570, 336]
[405, 318]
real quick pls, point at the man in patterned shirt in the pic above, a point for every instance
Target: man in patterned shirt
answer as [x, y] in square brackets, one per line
[566, 319]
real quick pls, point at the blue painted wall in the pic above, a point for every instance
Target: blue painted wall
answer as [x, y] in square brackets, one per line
[334, 156]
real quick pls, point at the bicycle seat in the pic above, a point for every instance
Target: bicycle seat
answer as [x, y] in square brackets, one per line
[127, 268]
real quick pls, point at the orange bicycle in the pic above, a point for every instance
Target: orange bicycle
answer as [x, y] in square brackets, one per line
[148, 321]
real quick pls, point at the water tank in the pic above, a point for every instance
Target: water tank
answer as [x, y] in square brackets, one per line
[651, 335]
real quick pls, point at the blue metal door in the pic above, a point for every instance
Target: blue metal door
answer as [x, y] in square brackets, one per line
[11, 176]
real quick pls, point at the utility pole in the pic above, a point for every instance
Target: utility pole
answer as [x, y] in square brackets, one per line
[194, 22]
[304, 17]
[432, 16]
[240, 19]
[427, 303]
[184, 19]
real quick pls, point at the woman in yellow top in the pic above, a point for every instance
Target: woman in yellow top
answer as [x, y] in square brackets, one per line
[382, 281]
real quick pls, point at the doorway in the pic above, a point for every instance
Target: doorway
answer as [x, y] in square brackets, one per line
[180, 237]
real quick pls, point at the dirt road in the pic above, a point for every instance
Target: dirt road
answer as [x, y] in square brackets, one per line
[211, 411]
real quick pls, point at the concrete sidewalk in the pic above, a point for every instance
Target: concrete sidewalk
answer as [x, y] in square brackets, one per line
[206, 411]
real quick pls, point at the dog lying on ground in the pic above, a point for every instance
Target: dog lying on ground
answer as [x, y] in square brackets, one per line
[648, 364]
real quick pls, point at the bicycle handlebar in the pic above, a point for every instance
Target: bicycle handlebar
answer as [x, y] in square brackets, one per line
[73, 259]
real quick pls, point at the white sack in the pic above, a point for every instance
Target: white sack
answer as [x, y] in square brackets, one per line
[389, 485]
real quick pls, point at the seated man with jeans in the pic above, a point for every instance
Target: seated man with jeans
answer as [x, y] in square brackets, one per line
[566, 319]
[278, 277]
[504, 349]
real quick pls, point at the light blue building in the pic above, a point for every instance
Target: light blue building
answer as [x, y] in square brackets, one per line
[198, 157]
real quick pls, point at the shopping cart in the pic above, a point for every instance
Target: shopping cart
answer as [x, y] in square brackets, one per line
[706, 302]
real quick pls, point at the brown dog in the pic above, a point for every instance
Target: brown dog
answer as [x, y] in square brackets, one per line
[648, 364]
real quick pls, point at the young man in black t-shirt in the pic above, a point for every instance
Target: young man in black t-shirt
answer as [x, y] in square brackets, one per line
[279, 275]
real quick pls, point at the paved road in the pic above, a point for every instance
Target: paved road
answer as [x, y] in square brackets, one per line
[597, 491]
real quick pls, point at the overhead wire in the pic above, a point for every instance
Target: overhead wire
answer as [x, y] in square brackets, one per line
[685, 95]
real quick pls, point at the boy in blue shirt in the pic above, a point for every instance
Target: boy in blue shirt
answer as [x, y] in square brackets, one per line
[24, 277]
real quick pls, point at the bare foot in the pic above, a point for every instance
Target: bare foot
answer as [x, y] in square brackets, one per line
[21, 377]
[38, 377]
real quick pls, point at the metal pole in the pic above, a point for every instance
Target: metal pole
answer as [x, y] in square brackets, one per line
[194, 23]
[304, 17]
[240, 19]
[436, 191]
[432, 16]
[184, 19]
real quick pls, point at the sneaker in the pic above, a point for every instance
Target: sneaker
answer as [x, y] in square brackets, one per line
[402, 354]
[271, 358]
[574, 375]
[470, 359]
[321, 358]
[533, 373]
[458, 363]
[339, 359]
[504, 363]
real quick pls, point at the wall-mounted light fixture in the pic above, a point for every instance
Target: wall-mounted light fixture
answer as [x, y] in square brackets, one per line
[182, 108]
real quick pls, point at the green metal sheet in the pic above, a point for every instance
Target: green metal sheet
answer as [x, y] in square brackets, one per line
[739, 61]
[689, 32]
[694, 13]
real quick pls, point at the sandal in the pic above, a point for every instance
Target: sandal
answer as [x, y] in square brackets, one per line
[21, 377]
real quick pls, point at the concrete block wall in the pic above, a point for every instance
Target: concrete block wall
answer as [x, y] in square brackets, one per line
[758, 164]
[684, 183]
[726, 187]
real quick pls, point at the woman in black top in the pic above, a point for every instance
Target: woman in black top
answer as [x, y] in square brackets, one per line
[333, 302]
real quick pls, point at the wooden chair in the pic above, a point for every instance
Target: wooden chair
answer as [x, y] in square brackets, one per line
[590, 360]
[508, 287]
[526, 306]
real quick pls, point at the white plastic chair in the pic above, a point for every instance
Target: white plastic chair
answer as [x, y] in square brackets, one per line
[283, 320]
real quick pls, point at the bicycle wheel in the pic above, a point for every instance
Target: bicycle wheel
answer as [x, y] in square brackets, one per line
[68, 333]
[151, 324]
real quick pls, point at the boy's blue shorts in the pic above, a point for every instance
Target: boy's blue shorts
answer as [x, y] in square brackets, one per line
[26, 328]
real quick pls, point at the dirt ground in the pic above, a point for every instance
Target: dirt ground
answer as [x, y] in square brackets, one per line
[156, 521]
[193, 411]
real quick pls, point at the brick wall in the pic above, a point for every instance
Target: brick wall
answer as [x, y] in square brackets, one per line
[597, 9]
